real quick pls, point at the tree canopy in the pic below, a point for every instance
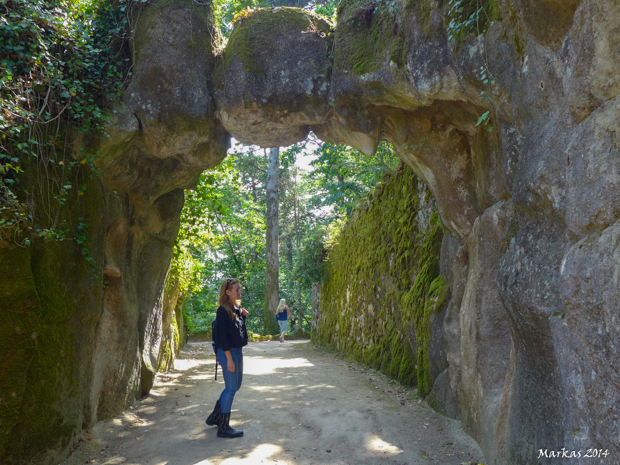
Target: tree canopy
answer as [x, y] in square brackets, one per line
[223, 226]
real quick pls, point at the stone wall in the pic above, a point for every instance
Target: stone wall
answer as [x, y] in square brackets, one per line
[386, 308]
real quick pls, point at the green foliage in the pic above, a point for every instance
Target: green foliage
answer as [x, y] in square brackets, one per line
[199, 218]
[221, 236]
[467, 17]
[226, 12]
[82, 238]
[470, 17]
[59, 61]
[342, 175]
[327, 9]
[223, 225]
[198, 320]
[309, 265]
[487, 80]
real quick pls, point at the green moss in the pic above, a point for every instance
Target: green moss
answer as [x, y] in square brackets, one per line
[432, 401]
[181, 326]
[259, 31]
[424, 12]
[169, 349]
[201, 42]
[372, 302]
[397, 52]
[519, 46]
[364, 35]
[424, 298]
[52, 307]
[169, 346]
[511, 233]
[20, 320]
[49, 412]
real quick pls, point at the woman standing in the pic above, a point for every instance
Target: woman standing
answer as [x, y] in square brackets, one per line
[282, 313]
[231, 337]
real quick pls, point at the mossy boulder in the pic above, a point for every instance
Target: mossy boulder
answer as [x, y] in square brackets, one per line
[273, 81]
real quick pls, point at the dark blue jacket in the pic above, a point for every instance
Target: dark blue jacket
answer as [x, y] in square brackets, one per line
[231, 333]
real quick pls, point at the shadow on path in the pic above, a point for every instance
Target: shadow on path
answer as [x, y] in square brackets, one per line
[297, 405]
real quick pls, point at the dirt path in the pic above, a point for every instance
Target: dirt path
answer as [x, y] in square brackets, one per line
[297, 405]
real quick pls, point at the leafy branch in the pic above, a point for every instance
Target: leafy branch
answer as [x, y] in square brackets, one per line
[59, 63]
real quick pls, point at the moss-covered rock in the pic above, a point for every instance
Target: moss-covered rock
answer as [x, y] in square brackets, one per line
[364, 33]
[274, 77]
[19, 307]
[50, 307]
[377, 307]
[173, 337]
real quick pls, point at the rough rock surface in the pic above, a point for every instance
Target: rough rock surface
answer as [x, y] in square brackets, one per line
[167, 134]
[517, 117]
[529, 332]
[77, 349]
[272, 102]
[485, 341]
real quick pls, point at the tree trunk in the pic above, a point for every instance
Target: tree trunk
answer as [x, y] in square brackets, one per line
[298, 244]
[272, 285]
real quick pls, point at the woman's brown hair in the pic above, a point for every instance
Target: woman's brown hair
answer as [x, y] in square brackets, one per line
[224, 300]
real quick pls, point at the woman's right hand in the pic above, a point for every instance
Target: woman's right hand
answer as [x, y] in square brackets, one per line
[231, 366]
[230, 363]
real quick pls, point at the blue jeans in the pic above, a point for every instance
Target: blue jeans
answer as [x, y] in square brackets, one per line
[232, 381]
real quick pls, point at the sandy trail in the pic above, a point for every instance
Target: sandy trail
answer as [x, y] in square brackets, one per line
[297, 405]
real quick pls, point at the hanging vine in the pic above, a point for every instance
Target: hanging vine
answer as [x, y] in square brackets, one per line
[60, 60]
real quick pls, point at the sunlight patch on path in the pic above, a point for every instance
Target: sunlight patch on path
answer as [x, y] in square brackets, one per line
[258, 455]
[265, 366]
[184, 364]
[376, 444]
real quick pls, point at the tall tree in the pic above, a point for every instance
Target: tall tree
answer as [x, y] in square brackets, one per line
[272, 275]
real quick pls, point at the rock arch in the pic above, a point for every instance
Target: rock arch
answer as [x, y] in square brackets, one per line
[532, 206]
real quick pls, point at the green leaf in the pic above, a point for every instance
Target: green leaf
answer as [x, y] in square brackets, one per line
[482, 118]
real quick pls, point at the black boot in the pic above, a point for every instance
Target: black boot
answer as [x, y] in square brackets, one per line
[224, 430]
[214, 418]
